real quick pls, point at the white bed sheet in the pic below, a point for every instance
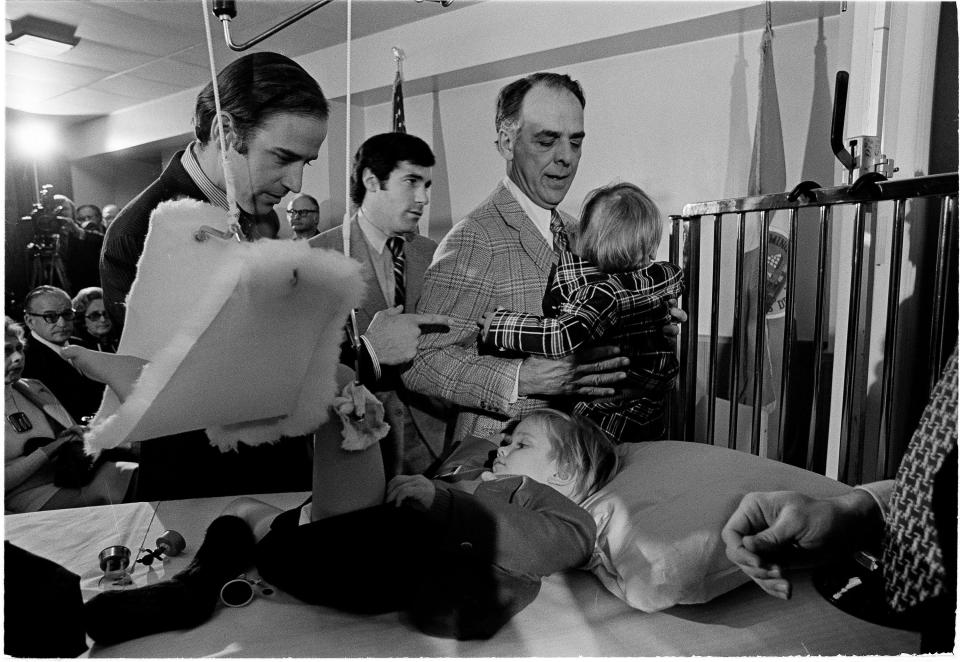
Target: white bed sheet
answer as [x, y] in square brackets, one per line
[573, 615]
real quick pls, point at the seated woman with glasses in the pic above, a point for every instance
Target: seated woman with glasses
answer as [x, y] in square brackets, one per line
[44, 464]
[93, 324]
[49, 316]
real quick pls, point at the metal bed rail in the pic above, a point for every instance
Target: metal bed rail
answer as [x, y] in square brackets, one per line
[687, 247]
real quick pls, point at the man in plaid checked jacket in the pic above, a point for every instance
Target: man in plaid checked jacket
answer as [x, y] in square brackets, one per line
[500, 255]
[584, 304]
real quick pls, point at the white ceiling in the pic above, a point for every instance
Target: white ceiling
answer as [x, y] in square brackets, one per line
[131, 51]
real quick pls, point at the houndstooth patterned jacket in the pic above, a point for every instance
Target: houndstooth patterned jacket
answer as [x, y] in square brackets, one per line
[493, 258]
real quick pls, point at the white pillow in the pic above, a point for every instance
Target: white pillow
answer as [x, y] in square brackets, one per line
[659, 519]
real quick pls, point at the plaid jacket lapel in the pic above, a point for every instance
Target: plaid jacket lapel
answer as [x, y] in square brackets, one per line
[530, 238]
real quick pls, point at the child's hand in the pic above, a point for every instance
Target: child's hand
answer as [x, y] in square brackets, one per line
[484, 324]
[419, 489]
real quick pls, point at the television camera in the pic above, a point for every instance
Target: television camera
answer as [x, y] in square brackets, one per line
[45, 249]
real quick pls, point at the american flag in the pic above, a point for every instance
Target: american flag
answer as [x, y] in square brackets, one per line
[399, 125]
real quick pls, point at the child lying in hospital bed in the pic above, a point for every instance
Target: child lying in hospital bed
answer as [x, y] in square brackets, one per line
[461, 553]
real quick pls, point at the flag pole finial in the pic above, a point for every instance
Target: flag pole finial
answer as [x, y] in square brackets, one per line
[398, 57]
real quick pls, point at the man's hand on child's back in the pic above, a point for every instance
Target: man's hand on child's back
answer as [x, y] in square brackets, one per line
[677, 317]
[420, 490]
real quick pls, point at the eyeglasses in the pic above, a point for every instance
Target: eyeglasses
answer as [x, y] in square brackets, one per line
[97, 316]
[299, 213]
[51, 318]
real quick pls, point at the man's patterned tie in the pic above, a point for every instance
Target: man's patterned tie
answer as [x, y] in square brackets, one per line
[560, 242]
[395, 244]
[913, 569]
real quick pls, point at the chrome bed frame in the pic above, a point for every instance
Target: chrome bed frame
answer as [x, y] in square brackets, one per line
[870, 205]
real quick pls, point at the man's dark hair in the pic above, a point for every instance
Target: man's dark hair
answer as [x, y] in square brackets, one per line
[93, 207]
[255, 88]
[382, 153]
[510, 99]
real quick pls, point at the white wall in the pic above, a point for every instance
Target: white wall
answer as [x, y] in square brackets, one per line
[671, 97]
[677, 120]
[93, 184]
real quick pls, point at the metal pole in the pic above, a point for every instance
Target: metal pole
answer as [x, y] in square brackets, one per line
[692, 305]
[685, 391]
[890, 343]
[825, 213]
[714, 328]
[947, 213]
[269, 32]
[788, 323]
[760, 336]
[735, 347]
[850, 372]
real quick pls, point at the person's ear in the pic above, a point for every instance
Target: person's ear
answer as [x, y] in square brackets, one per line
[370, 181]
[506, 140]
[562, 481]
[230, 136]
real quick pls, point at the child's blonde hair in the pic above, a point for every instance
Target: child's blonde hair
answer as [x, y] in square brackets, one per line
[629, 233]
[581, 449]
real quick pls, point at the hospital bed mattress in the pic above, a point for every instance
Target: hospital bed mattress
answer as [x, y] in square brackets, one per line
[574, 615]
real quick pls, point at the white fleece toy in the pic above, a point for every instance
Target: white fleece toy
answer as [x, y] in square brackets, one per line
[242, 339]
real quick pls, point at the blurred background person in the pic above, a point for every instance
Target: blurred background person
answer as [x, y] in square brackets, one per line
[90, 218]
[303, 214]
[83, 260]
[93, 325]
[44, 463]
[109, 213]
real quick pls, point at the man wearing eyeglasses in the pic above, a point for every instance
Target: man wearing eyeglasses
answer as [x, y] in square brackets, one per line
[303, 213]
[49, 317]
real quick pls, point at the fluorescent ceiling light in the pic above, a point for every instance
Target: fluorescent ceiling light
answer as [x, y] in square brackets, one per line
[40, 36]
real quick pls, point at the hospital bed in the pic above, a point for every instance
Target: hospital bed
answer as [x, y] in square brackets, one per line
[574, 615]
[603, 612]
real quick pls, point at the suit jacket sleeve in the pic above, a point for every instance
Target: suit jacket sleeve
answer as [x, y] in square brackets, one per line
[459, 284]
[118, 269]
[537, 530]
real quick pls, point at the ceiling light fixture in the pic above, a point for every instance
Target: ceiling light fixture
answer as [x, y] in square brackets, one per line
[40, 36]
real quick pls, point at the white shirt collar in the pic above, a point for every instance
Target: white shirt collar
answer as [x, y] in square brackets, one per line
[43, 341]
[214, 193]
[376, 237]
[537, 214]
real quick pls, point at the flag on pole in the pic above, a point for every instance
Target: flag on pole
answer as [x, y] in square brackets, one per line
[399, 125]
[767, 164]
[767, 175]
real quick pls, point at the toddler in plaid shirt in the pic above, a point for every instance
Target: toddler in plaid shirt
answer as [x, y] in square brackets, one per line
[611, 292]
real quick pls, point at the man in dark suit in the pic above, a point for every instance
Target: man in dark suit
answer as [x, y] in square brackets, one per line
[49, 316]
[275, 120]
[390, 187]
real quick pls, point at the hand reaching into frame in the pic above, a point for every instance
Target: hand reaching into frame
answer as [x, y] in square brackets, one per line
[767, 525]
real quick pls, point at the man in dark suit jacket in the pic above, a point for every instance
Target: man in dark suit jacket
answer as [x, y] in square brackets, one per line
[389, 186]
[276, 122]
[79, 395]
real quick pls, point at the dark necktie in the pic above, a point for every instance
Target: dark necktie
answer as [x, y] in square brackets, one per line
[913, 567]
[395, 244]
[560, 242]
